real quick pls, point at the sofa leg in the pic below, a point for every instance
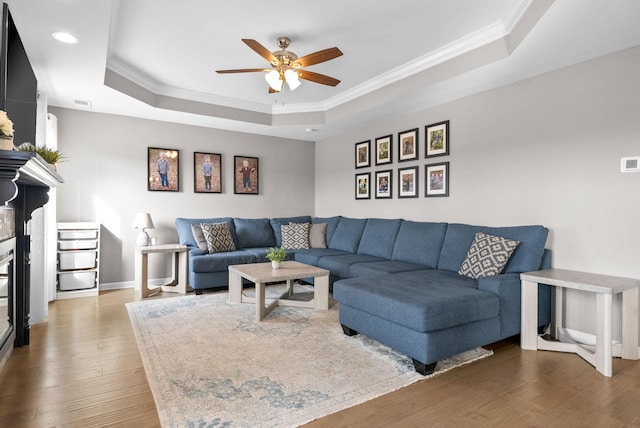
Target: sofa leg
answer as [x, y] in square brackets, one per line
[348, 331]
[424, 369]
[198, 292]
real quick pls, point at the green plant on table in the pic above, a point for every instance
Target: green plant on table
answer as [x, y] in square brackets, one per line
[276, 254]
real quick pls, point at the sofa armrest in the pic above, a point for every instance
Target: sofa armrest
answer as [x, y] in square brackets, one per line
[507, 287]
[195, 251]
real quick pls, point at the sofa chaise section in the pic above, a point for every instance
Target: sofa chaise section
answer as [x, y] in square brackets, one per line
[436, 313]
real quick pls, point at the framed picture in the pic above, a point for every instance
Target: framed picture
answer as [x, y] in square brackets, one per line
[384, 185]
[246, 175]
[207, 172]
[437, 179]
[408, 145]
[383, 150]
[362, 154]
[437, 139]
[408, 182]
[163, 169]
[363, 186]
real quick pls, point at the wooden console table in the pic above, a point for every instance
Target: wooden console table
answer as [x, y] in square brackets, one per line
[604, 287]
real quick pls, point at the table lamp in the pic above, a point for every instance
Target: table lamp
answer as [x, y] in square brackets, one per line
[142, 221]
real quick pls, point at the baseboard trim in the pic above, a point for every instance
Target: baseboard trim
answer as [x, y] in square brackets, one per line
[131, 284]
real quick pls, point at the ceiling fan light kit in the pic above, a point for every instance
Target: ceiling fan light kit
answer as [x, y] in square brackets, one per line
[287, 67]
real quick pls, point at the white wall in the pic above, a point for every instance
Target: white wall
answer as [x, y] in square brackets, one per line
[105, 180]
[542, 151]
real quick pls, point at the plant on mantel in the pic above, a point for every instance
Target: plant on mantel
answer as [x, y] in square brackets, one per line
[50, 156]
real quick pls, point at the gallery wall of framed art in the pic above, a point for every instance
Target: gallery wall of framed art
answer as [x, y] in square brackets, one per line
[380, 182]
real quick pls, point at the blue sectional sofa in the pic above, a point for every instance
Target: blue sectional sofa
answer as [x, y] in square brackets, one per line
[397, 281]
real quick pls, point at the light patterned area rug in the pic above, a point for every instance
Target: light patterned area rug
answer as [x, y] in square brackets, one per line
[209, 363]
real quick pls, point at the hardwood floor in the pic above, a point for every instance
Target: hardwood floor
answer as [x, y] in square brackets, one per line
[83, 369]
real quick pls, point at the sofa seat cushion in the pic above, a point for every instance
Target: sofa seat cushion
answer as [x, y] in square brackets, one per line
[313, 255]
[260, 253]
[220, 261]
[340, 265]
[424, 301]
[382, 268]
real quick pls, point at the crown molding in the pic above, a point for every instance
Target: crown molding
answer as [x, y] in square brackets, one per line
[500, 30]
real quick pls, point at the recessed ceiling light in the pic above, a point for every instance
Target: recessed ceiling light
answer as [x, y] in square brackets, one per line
[64, 37]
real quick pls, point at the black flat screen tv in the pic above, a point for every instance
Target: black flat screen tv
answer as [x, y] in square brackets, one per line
[18, 83]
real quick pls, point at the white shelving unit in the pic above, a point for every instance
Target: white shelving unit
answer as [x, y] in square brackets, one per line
[78, 266]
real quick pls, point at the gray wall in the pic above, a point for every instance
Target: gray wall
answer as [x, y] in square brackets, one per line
[542, 151]
[105, 180]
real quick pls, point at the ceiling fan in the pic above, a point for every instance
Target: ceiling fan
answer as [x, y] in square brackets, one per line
[287, 67]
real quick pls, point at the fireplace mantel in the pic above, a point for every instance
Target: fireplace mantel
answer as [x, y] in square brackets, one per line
[25, 180]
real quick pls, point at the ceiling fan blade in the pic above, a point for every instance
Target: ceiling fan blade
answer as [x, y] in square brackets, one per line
[242, 70]
[261, 50]
[317, 78]
[318, 57]
[272, 91]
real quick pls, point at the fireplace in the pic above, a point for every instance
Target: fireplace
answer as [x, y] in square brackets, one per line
[7, 302]
[25, 180]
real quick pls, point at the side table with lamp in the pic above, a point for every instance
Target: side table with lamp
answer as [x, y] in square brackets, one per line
[143, 249]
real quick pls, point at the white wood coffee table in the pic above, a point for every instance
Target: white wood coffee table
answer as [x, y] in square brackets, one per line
[262, 273]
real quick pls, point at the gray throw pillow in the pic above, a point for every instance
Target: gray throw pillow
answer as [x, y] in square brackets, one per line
[487, 256]
[218, 237]
[318, 235]
[198, 236]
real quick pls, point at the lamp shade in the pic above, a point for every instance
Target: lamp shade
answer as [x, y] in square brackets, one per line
[291, 77]
[273, 79]
[142, 221]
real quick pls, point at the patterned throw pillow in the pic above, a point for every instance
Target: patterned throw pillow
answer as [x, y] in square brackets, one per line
[295, 236]
[198, 235]
[218, 237]
[487, 256]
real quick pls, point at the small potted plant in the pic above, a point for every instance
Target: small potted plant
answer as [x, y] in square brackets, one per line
[50, 156]
[276, 255]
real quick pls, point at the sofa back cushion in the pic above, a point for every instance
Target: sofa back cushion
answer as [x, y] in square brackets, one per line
[378, 237]
[420, 243]
[526, 257]
[253, 232]
[183, 227]
[332, 224]
[347, 234]
[279, 221]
